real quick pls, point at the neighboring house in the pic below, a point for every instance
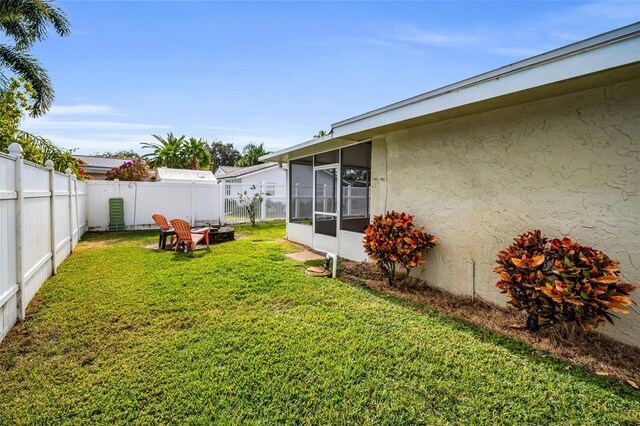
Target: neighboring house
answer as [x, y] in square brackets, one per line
[97, 167]
[551, 142]
[164, 174]
[268, 176]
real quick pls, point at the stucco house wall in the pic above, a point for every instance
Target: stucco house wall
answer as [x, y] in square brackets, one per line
[568, 165]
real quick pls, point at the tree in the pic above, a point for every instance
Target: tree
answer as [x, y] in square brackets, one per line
[251, 203]
[223, 154]
[166, 152]
[15, 102]
[251, 154]
[123, 153]
[320, 134]
[195, 154]
[24, 22]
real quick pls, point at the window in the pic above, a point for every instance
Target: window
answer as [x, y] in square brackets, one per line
[356, 187]
[301, 190]
[270, 188]
[230, 187]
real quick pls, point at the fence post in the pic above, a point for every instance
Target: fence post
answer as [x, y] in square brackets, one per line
[15, 150]
[223, 201]
[263, 203]
[77, 209]
[70, 186]
[52, 209]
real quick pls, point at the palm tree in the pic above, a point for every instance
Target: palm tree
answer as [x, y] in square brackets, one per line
[166, 152]
[24, 22]
[195, 153]
[251, 154]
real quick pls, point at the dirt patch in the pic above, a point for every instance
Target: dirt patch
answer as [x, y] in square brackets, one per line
[598, 353]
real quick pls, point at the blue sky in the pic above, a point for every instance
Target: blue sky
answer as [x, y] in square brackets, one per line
[279, 72]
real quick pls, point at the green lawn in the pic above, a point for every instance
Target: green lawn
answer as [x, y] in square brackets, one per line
[238, 334]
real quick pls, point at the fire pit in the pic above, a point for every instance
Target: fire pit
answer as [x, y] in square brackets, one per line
[221, 235]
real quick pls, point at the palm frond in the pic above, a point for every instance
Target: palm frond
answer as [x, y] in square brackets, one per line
[25, 65]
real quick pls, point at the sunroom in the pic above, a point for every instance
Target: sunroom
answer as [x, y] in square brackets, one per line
[330, 199]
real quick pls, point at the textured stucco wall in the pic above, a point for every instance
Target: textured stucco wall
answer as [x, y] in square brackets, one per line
[569, 165]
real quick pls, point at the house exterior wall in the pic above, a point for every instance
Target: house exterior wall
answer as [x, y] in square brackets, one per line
[568, 165]
[273, 175]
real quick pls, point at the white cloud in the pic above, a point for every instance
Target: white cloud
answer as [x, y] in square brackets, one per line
[522, 39]
[92, 143]
[627, 11]
[44, 124]
[517, 51]
[83, 109]
[234, 129]
[412, 34]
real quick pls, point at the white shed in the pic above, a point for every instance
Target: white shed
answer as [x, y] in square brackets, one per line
[165, 174]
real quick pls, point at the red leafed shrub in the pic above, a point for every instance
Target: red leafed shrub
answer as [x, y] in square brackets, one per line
[392, 240]
[135, 170]
[561, 281]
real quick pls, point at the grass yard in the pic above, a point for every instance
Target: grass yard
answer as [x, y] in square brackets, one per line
[238, 334]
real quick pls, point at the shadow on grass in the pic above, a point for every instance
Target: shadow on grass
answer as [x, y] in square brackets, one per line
[118, 237]
[185, 256]
[548, 361]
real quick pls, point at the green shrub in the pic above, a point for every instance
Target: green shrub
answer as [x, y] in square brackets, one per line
[135, 170]
[391, 240]
[561, 281]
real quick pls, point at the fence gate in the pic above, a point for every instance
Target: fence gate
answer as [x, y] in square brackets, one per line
[272, 207]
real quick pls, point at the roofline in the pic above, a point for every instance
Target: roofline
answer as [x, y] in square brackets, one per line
[247, 173]
[611, 37]
[269, 157]
[97, 168]
[553, 55]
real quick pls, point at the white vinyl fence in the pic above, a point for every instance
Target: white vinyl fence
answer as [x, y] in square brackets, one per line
[42, 217]
[44, 213]
[196, 202]
[272, 207]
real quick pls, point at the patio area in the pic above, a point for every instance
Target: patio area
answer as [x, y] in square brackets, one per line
[238, 334]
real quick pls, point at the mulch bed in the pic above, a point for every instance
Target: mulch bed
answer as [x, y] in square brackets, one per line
[596, 352]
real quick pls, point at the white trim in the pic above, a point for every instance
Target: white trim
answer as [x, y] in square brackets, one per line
[37, 194]
[42, 262]
[8, 295]
[62, 243]
[224, 177]
[8, 195]
[353, 232]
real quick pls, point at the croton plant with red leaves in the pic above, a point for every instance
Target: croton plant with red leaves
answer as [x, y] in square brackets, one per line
[561, 281]
[393, 240]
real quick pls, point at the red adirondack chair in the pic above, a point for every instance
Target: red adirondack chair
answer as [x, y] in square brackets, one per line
[165, 230]
[183, 230]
